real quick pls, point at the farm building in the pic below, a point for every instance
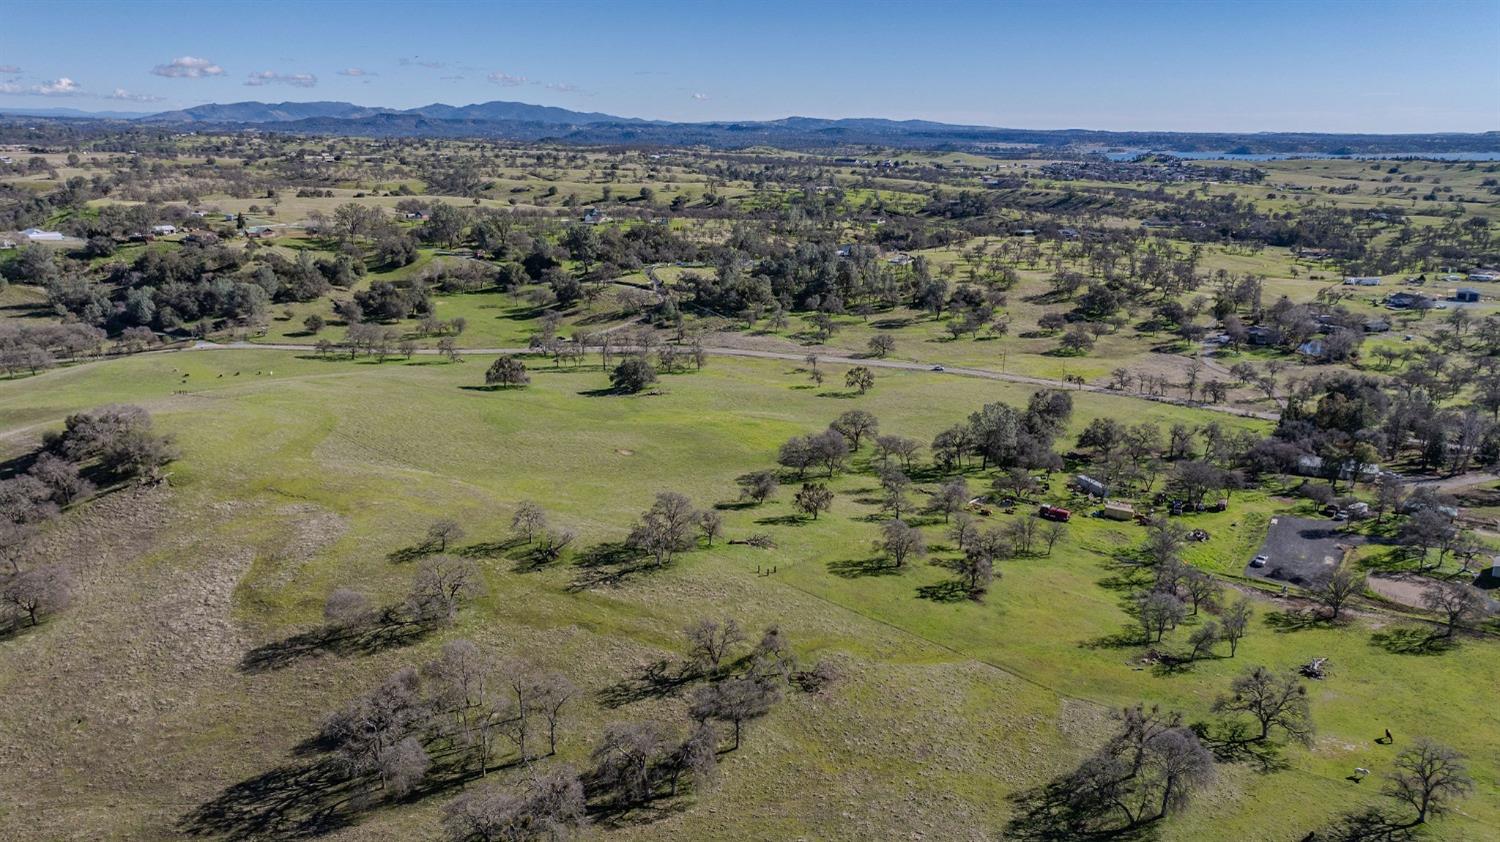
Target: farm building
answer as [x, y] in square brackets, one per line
[1408, 300]
[1116, 510]
[594, 216]
[1466, 294]
[1488, 275]
[1365, 281]
[1376, 325]
[164, 229]
[1089, 485]
[1263, 335]
[35, 234]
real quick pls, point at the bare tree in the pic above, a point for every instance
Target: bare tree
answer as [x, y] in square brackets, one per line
[528, 520]
[442, 533]
[1428, 776]
[1272, 700]
[1159, 611]
[1458, 604]
[666, 528]
[710, 641]
[952, 496]
[441, 586]
[813, 498]
[900, 542]
[1341, 587]
[711, 524]
[856, 425]
[345, 607]
[1053, 532]
[734, 700]
[757, 486]
[37, 592]
[1203, 640]
[1235, 621]
[550, 807]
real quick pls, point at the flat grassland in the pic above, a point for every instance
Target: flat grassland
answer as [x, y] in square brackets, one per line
[301, 475]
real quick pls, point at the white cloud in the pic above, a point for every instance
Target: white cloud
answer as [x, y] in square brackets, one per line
[268, 77]
[507, 80]
[9, 69]
[121, 93]
[188, 67]
[451, 78]
[355, 71]
[57, 87]
[418, 61]
[564, 87]
[700, 96]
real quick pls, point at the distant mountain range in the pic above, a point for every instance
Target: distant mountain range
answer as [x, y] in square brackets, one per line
[526, 122]
[288, 112]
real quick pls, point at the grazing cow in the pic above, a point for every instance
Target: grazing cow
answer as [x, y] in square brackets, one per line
[1359, 774]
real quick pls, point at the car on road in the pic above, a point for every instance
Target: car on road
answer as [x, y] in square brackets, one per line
[1259, 561]
[937, 368]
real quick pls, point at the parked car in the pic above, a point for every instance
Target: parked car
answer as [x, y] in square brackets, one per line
[1259, 561]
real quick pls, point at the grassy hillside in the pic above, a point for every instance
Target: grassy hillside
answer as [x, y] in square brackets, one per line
[299, 476]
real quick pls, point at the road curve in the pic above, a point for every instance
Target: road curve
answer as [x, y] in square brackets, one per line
[960, 371]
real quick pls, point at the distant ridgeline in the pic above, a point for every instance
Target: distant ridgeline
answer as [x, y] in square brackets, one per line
[525, 122]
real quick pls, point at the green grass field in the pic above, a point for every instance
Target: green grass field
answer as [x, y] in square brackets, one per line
[299, 476]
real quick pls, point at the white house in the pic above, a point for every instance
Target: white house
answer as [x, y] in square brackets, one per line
[594, 216]
[1368, 281]
[38, 234]
[164, 229]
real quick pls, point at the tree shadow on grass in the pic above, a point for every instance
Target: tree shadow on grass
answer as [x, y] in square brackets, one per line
[609, 564]
[1287, 622]
[781, 520]
[1126, 638]
[1371, 825]
[1410, 640]
[489, 549]
[1232, 742]
[662, 679]
[386, 632]
[1054, 813]
[312, 799]
[858, 568]
[295, 801]
[415, 552]
[951, 591]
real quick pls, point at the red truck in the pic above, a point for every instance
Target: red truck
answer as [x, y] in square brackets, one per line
[1054, 513]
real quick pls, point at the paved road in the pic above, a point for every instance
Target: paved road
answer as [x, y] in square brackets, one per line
[983, 373]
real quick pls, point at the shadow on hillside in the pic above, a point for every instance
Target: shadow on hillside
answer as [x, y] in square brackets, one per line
[1410, 640]
[1287, 622]
[387, 631]
[1053, 812]
[1231, 742]
[1372, 825]
[662, 679]
[312, 799]
[953, 590]
[858, 568]
[609, 564]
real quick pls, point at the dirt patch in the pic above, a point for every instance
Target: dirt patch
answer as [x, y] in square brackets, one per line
[312, 529]
[623, 452]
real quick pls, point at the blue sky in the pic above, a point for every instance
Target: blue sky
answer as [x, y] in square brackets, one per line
[1362, 66]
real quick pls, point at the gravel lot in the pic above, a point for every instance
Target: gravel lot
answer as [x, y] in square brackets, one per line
[1302, 551]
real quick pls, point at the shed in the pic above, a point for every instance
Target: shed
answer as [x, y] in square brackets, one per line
[1089, 485]
[1363, 281]
[1116, 510]
[1466, 294]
